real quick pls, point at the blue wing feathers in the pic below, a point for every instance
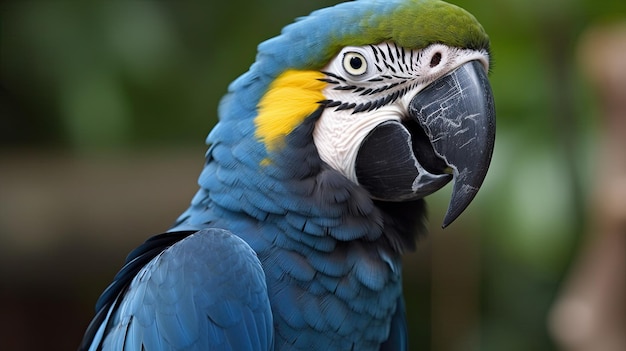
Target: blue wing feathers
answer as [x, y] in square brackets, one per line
[134, 262]
[206, 291]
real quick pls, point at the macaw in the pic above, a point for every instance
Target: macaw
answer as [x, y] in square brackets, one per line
[313, 187]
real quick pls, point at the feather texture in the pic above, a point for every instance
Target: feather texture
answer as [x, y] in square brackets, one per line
[206, 291]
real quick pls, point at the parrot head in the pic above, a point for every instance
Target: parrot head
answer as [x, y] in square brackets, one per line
[399, 91]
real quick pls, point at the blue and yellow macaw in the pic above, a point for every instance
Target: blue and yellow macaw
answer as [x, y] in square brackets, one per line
[313, 188]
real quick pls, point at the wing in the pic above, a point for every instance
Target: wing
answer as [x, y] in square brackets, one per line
[205, 291]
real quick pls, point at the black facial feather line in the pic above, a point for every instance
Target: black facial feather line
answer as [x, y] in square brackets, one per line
[399, 65]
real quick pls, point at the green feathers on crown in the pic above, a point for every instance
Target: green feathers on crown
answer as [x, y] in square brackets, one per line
[439, 22]
[413, 24]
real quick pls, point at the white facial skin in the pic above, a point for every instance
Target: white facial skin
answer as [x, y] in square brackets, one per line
[387, 77]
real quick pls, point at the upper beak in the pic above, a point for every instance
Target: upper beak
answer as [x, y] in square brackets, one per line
[457, 113]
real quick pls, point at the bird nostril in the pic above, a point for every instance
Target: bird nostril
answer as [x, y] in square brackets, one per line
[435, 60]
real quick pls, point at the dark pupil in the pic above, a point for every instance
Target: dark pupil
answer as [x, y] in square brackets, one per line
[356, 62]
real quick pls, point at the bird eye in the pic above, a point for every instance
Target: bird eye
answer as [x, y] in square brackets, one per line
[354, 63]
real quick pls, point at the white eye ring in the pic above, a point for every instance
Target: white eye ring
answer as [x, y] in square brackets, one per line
[354, 63]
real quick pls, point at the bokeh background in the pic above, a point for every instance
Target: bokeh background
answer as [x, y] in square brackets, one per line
[105, 107]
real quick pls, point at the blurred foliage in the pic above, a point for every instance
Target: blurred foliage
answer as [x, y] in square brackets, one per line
[112, 74]
[120, 74]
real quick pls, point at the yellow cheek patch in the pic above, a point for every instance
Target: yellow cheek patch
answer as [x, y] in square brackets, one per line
[292, 97]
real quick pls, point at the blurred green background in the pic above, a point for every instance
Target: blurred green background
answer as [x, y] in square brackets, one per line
[105, 107]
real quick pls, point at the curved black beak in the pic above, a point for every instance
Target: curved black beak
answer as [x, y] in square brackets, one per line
[457, 114]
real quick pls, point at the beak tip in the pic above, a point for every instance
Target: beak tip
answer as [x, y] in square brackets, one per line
[448, 219]
[462, 195]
